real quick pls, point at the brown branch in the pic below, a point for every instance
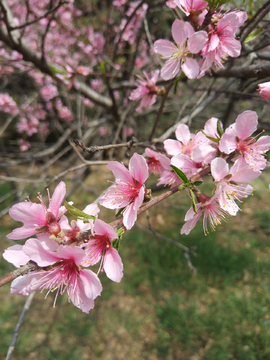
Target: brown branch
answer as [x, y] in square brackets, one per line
[164, 98]
[253, 71]
[40, 154]
[30, 266]
[132, 143]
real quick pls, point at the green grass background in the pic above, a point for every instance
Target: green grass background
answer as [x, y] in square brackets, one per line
[160, 310]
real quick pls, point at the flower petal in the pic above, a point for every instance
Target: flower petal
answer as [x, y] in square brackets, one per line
[197, 41]
[57, 198]
[120, 171]
[15, 255]
[164, 48]
[181, 30]
[219, 168]
[191, 68]
[101, 228]
[113, 265]
[138, 168]
[246, 124]
[34, 249]
[170, 69]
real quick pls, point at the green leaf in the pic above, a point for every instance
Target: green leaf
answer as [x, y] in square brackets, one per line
[78, 214]
[116, 243]
[219, 128]
[197, 183]
[102, 67]
[250, 4]
[178, 79]
[56, 69]
[119, 212]
[182, 187]
[193, 197]
[180, 174]
[216, 140]
[254, 35]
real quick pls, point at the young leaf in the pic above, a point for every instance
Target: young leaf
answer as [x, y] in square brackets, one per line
[179, 78]
[119, 212]
[116, 243]
[216, 140]
[197, 183]
[78, 214]
[219, 128]
[254, 35]
[182, 187]
[180, 174]
[193, 197]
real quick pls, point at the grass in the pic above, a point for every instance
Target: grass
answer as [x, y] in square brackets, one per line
[160, 310]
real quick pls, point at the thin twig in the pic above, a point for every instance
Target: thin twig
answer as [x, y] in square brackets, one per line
[19, 324]
[187, 251]
[21, 180]
[132, 143]
[39, 18]
[126, 24]
[164, 98]
[148, 35]
[78, 167]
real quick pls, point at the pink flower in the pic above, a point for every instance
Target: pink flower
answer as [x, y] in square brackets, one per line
[185, 142]
[24, 145]
[84, 70]
[264, 89]
[227, 186]
[207, 149]
[97, 85]
[147, 91]
[237, 137]
[179, 56]
[64, 274]
[127, 131]
[37, 218]
[7, 104]
[222, 42]
[72, 231]
[102, 131]
[48, 92]
[168, 176]
[43, 127]
[63, 111]
[185, 164]
[211, 211]
[99, 248]
[153, 161]
[128, 192]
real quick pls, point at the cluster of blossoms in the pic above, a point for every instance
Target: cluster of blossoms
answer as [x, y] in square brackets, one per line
[212, 148]
[64, 252]
[75, 51]
[194, 52]
[61, 255]
[61, 251]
